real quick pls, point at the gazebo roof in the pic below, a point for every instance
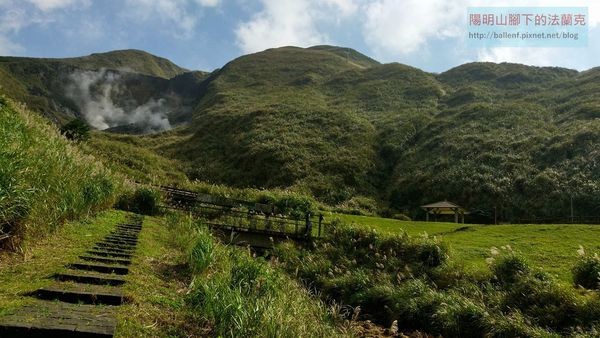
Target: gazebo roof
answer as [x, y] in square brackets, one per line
[442, 204]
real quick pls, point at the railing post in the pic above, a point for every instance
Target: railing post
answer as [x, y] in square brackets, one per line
[308, 232]
[320, 223]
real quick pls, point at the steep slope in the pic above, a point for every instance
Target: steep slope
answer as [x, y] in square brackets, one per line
[520, 139]
[44, 179]
[307, 118]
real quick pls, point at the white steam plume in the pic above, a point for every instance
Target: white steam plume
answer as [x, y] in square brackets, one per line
[93, 92]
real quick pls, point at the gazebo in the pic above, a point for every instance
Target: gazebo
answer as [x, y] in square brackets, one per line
[445, 208]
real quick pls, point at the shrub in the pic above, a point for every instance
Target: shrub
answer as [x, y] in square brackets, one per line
[358, 205]
[508, 267]
[143, 201]
[401, 217]
[547, 302]
[514, 324]
[586, 272]
[76, 130]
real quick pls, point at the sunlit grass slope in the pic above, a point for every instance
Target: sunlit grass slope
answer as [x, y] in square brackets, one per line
[44, 179]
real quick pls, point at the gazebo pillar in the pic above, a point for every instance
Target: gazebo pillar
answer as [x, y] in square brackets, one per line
[427, 216]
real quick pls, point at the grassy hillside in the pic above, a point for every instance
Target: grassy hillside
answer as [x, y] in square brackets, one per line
[44, 179]
[470, 244]
[331, 122]
[302, 118]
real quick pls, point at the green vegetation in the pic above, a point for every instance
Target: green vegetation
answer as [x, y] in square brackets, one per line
[586, 272]
[136, 157]
[143, 201]
[133, 60]
[237, 295]
[469, 244]
[395, 278]
[76, 130]
[44, 179]
[359, 136]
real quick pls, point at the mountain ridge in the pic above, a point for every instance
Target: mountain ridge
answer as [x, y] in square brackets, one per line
[336, 124]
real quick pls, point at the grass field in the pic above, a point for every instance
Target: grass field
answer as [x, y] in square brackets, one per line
[551, 247]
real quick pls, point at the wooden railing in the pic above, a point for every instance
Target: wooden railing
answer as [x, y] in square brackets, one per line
[243, 215]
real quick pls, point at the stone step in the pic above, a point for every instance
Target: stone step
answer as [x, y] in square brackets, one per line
[100, 267]
[57, 319]
[106, 260]
[106, 253]
[96, 278]
[81, 293]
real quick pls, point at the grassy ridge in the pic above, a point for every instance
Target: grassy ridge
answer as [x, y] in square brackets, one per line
[45, 180]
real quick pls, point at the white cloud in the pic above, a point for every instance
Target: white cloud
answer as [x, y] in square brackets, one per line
[398, 29]
[403, 27]
[292, 22]
[209, 3]
[47, 5]
[8, 47]
[180, 17]
[343, 7]
[280, 23]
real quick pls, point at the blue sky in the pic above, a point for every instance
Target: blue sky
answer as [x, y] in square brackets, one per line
[205, 34]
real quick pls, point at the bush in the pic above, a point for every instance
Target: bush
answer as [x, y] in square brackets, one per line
[76, 130]
[143, 201]
[401, 217]
[586, 272]
[547, 302]
[509, 267]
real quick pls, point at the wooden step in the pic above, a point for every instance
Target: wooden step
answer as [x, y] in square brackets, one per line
[97, 278]
[119, 242]
[105, 253]
[122, 238]
[100, 267]
[57, 319]
[134, 230]
[112, 248]
[81, 293]
[125, 246]
[106, 260]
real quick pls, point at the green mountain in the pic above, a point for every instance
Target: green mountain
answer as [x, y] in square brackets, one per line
[128, 78]
[339, 125]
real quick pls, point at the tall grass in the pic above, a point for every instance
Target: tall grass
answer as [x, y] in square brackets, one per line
[44, 179]
[237, 295]
[409, 281]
